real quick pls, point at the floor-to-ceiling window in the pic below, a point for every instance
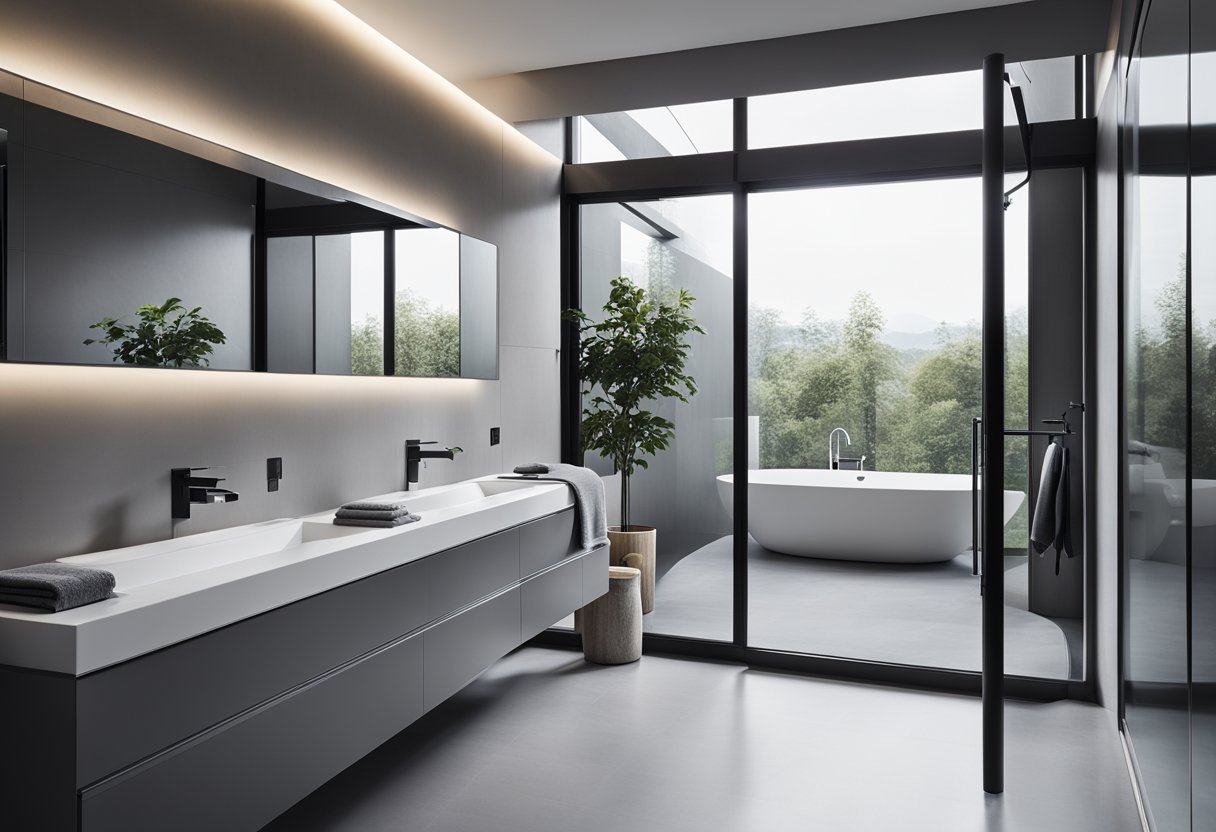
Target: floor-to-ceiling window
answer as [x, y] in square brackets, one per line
[862, 279]
[664, 246]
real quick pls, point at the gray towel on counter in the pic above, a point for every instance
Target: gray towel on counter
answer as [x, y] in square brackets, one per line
[532, 468]
[589, 501]
[377, 524]
[367, 514]
[55, 586]
[357, 506]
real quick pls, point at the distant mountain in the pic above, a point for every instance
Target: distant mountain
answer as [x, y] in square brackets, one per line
[923, 340]
[911, 323]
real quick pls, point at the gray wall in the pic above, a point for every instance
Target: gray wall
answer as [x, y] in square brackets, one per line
[1057, 350]
[87, 450]
[921, 46]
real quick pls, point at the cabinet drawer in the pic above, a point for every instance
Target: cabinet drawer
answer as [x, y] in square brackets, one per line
[135, 709]
[459, 576]
[463, 646]
[595, 574]
[548, 598]
[248, 772]
[546, 541]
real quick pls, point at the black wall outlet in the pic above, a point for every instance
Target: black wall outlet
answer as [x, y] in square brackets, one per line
[495, 436]
[274, 472]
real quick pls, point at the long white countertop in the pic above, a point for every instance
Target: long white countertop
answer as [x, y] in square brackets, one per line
[169, 591]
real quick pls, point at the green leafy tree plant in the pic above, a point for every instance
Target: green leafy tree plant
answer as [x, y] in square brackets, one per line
[635, 355]
[167, 335]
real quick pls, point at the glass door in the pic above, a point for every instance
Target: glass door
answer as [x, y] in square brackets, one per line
[864, 377]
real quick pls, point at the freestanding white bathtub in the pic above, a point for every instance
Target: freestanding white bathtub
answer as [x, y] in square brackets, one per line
[884, 516]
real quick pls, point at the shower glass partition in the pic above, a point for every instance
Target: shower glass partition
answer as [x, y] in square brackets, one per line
[864, 315]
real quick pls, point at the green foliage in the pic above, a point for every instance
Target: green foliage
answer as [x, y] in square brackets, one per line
[168, 335]
[635, 355]
[367, 347]
[1157, 402]
[426, 340]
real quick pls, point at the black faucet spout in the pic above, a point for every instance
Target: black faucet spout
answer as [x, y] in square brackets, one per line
[189, 489]
[414, 454]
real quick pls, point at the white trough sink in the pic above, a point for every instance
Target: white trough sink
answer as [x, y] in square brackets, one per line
[172, 590]
[138, 566]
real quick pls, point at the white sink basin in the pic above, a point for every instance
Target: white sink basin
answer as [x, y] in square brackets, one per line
[459, 494]
[142, 565]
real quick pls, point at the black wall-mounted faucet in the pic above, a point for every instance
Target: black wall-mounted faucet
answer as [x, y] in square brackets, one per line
[414, 454]
[189, 489]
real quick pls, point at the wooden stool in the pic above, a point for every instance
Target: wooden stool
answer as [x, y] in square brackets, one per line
[635, 548]
[612, 623]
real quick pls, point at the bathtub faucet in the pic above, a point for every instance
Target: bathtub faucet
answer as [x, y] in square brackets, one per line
[834, 447]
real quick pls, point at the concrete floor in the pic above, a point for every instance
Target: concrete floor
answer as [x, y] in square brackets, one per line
[546, 742]
[920, 614]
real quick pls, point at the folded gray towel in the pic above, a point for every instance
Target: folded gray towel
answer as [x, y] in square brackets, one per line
[55, 586]
[357, 506]
[377, 524]
[589, 500]
[532, 468]
[365, 514]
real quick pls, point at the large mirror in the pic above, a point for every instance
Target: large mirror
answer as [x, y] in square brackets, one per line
[124, 251]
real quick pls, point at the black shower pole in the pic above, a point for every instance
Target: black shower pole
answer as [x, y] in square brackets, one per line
[993, 414]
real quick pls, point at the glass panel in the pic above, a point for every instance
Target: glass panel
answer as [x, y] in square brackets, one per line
[427, 314]
[1203, 415]
[877, 334]
[664, 246]
[1155, 545]
[904, 106]
[367, 303]
[679, 130]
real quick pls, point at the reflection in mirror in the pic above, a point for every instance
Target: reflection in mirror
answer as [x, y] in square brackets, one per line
[478, 308]
[426, 315]
[1158, 445]
[121, 250]
[113, 227]
[1203, 414]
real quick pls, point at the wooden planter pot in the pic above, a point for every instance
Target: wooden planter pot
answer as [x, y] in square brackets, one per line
[635, 546]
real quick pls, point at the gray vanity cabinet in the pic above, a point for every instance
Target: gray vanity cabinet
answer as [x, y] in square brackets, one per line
[229, 729]
[462, 646]
[244, 774]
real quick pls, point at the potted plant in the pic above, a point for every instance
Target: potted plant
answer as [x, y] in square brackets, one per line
[162, 338]
[634, 356]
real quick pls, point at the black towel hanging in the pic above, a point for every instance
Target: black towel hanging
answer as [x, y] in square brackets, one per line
[1063, 539]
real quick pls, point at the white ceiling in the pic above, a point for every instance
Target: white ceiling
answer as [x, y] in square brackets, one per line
[465, 40]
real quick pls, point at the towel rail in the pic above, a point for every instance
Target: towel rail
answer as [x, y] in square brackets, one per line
[977, 465]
